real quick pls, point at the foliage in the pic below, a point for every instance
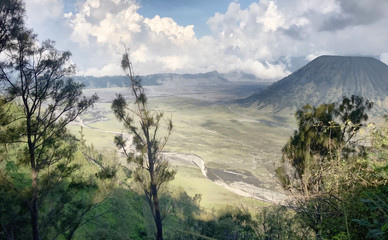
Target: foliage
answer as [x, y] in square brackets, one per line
[72, 203]
[280, 222]
[374, 217]
[307, 150]
[337, 176]
[126, 215]
[63, 203]
[182, 211]
[11, 21]
[234, 225]
[231, 223]
[38, 102]
[372, 190]
[320, 140]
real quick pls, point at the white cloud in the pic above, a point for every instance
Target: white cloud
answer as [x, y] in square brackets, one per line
[110, 28]
[40, 11]
[384, 58]
[324, 7]
[141, 54]
[272, 19]
[109, 69]
[168, 28]
[257, 39]
[314, 55]
[68, 15]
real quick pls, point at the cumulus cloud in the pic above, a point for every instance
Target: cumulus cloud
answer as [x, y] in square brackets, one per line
[353, 13]
[95, 23]
[168, 28]
[261, 39]
[111, 69]
[272, 18]
[160, 44]
[157, 44]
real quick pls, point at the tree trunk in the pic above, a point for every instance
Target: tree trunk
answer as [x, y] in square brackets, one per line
[34, 185]
[154, 190]
[34, 205]
[157, 216]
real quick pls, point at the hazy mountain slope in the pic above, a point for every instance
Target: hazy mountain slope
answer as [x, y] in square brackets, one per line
[108, 81]
[327, 79]
[209, 79]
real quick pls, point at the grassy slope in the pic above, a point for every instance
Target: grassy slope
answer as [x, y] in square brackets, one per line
[225, 137]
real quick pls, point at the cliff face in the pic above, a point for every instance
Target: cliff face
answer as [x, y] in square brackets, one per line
[327, 79]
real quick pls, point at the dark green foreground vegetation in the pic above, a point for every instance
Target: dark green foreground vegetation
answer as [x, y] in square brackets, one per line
[54, 186]
[336, 169]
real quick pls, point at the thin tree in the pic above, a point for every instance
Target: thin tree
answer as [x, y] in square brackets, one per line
[36, 77]
[144, 125]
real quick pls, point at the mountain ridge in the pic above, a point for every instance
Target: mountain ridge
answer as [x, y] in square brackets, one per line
[207, 78]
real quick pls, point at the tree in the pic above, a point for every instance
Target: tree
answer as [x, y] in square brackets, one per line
[317, 157]
[11, 21]
[279, 222]
[370, 192]
[321, 139]
[144, 124]
[36, 78]
[11, 25]
[308, 148]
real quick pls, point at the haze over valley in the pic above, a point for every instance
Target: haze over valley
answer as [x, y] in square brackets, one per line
[236, 120]
[236, 128]
[210, 127]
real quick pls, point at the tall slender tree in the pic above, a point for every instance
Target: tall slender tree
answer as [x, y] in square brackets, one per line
[144, 125]
[36, 77]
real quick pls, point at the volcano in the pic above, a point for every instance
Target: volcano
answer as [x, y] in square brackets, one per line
[327, 79]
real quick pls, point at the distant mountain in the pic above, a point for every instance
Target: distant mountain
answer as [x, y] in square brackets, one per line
[109, 81]
[209, 78]
[238, 76]
[327, 79]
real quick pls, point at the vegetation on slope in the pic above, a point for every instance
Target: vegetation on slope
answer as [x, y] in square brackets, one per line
[333, 173]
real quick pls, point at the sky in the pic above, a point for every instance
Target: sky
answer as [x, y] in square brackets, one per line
[267, 38]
